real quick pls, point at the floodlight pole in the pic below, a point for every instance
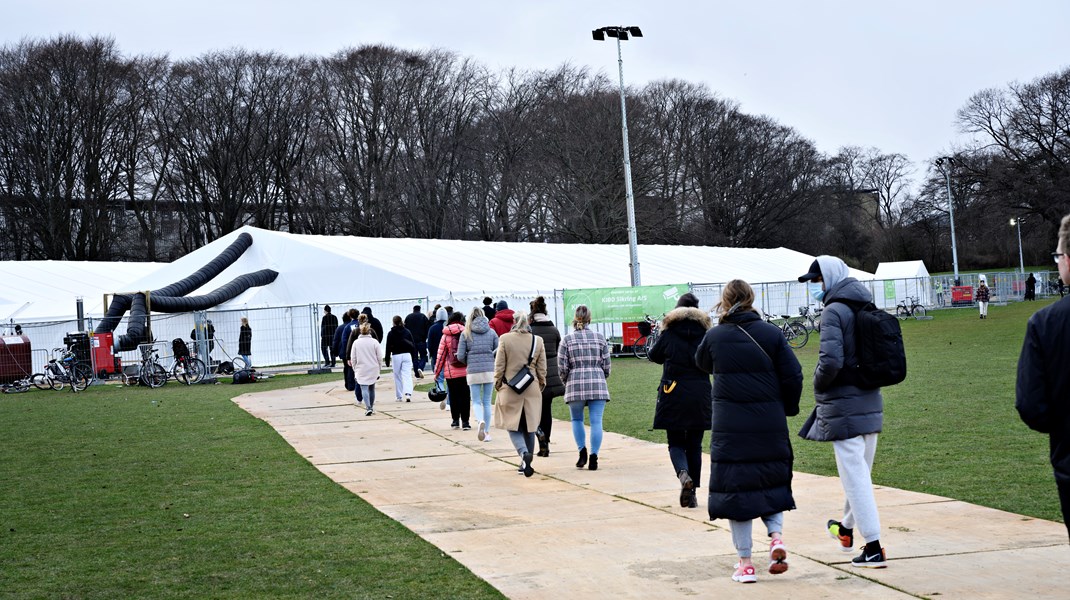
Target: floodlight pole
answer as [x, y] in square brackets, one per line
[633, 244]
[1017, 222]
[951, 210]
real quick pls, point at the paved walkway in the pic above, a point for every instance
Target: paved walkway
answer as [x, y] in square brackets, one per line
[619, 532]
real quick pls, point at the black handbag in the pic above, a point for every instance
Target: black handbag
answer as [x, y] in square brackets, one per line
[523, 378]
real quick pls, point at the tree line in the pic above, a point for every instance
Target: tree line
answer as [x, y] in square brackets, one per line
[105, 156]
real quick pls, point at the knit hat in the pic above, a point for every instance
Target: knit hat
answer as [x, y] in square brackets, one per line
[502, 305]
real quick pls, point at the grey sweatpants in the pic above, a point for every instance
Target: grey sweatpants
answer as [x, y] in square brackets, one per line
[741, 532]
[854, 461]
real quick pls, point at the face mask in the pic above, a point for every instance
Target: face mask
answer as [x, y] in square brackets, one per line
[816, 291]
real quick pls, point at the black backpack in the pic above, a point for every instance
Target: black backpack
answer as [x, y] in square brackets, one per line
[179, 348]
[882, 359]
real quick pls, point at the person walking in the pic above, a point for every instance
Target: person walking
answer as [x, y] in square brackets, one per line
[401, 352]
[455, 372]
[502, 322]
[756, 386]
[516, 411]
[683, 409]
[1042, 392]
[1031, 287]
[476, 348]
[583, 362]
[245, 343]
[542, 326]
[488, 310]
[434, 338]
[364, 355]
[849, 416]
[350, 333]
[981, 296]
[417, 323]
[328, 325]
[377, 327]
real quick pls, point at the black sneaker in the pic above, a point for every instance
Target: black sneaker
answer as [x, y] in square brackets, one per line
[466, 427]
[687, 489]
[455, 425]
[870, 558]
[528, 470]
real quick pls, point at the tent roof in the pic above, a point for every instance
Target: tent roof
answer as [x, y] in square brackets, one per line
[901, 270]
[40, 290]
[315, 268]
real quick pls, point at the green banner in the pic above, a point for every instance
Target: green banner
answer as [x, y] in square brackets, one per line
[623, 305]
[889, 290]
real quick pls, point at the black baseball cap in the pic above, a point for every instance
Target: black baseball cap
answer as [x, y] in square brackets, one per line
[812, 274]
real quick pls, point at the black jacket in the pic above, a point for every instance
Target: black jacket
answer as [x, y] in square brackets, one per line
[376, 325]
[684, 392]
[755, 389]
[1043, 388]
[245, 340]
[551, 340]
[399, 341]
[417, 324]
[328, 325]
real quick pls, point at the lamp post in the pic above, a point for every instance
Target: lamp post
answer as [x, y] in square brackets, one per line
[622, 33]
[1017, 223]
[950, 162]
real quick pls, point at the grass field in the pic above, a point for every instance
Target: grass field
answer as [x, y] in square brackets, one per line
[177, 493]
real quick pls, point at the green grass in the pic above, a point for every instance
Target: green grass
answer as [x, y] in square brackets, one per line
[177, 493]
[950, 429]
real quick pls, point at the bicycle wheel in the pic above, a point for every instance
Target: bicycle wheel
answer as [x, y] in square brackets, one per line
[649, 344]
[639, 347]
[196, 369]
[80, 377]
[40, 381]
[153, 375]
[797, 335]
[902, 312]
[919, 311]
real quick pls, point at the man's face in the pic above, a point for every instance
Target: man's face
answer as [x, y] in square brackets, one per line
[1064, 265]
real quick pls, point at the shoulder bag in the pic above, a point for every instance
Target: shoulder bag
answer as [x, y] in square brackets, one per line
[523, 378]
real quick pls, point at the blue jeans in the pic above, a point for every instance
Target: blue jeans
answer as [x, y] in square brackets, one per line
[595, 408]
[441, 381]
[368, 391]
[481, 406]
[248, 361]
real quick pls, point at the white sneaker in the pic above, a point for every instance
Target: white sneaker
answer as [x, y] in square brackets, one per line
[408, 397]
[482, 434]
[486, 438]
[778, 557]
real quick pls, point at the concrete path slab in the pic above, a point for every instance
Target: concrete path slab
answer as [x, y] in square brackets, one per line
[619, 532]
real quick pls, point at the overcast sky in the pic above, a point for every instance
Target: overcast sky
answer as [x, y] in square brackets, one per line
[885, 74]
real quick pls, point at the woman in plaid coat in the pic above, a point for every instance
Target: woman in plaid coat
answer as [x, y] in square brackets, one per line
[583, 362]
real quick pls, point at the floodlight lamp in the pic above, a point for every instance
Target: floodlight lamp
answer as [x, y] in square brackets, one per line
[622, 35]
[636, 32]
[598, 35]
[611, 31]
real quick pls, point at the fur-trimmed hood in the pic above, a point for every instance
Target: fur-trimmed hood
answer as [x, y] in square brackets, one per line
[685, 313]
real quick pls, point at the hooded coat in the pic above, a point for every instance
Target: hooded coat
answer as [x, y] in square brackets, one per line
[377, 326]
[502, 321]
[451, 335]
[842, 410]
[757, 384]
[434, 333]
[478, 352]
[684, 400]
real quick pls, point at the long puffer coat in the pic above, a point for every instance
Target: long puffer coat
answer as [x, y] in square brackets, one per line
[551, 338]
[757, 384]
[684, 393]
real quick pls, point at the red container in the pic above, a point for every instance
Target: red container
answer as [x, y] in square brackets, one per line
[104, 360]
[629, 334]
[15, 358]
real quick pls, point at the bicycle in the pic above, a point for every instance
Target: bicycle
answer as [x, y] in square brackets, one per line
[187, 369]
[150, 372]
[18, 386]
[794, 331]
[914, 309]
[810, 318]
[649, 329]
[62, 372]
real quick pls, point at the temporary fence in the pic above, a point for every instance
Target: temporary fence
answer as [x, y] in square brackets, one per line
[291, 334]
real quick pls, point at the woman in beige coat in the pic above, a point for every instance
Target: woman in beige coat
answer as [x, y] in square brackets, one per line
[519, 413]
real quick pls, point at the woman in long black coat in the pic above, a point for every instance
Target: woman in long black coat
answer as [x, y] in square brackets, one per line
[757, 384]
[684, 402]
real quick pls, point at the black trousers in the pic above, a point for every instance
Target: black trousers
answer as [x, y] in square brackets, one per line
[460, 399]
[1064, 500]
[685, 451]
[329, 356]
[546, 420]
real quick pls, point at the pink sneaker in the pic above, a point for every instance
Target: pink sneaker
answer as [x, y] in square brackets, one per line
[778, 557]
[744, 574]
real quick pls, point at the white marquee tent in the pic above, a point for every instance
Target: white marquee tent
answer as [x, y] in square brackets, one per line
[907, 269]
[42, 290]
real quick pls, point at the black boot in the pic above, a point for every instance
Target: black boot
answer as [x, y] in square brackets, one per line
[593, 465]
[582, 462]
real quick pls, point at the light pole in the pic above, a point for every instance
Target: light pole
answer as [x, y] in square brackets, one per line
[622, 33]
[1017, 222]
[950, 162]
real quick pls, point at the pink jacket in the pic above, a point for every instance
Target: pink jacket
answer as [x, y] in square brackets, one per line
[451, 337]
